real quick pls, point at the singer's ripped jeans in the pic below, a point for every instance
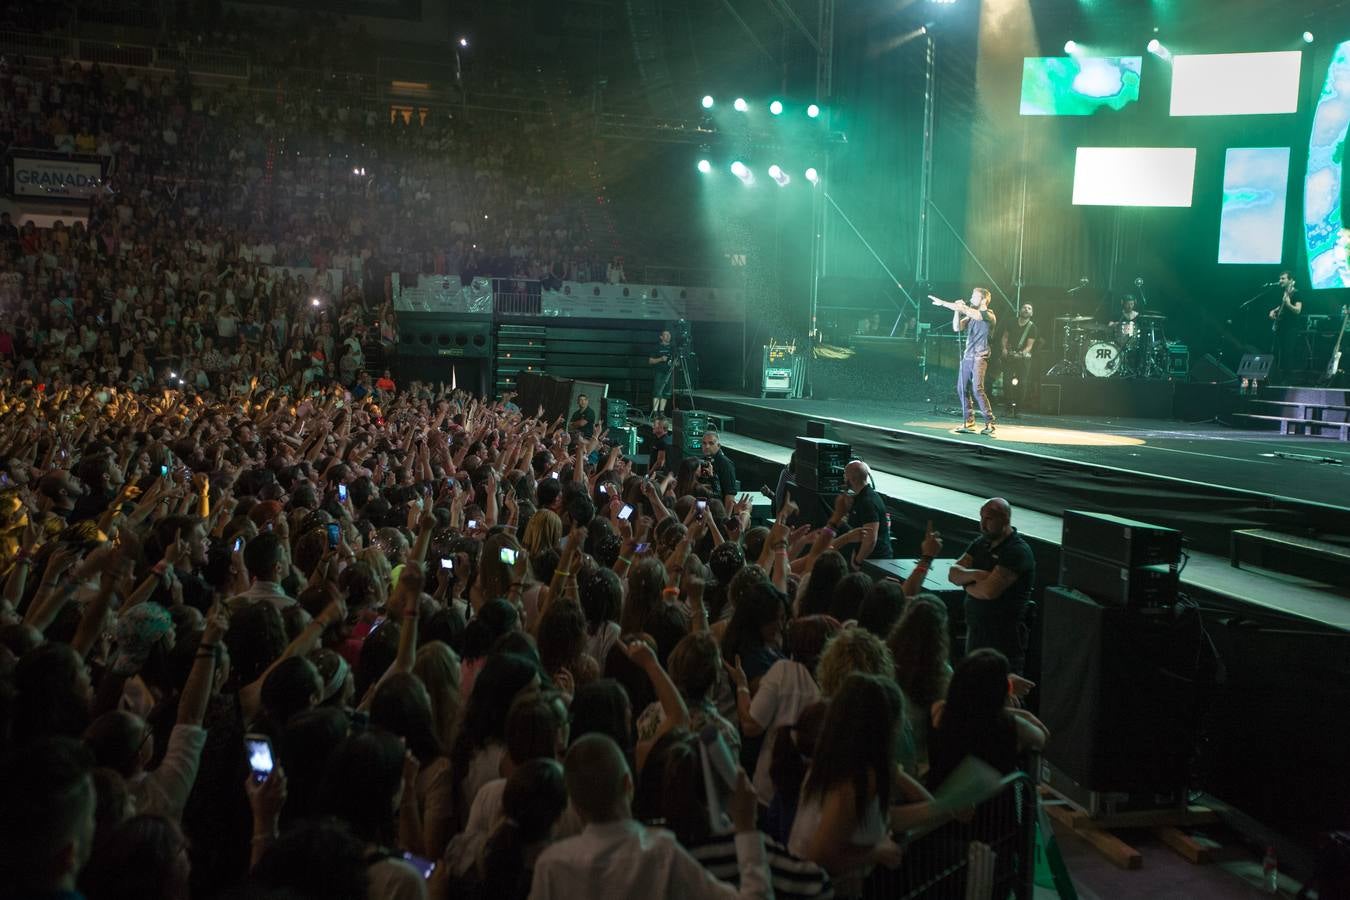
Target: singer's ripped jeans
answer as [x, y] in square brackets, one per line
[971, 381]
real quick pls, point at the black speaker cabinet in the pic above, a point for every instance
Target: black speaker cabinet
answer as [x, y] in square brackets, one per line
[1119, 695]
[819, 464]
[689, 428]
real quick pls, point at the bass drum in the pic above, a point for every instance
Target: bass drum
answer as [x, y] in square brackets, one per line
[1102, 359]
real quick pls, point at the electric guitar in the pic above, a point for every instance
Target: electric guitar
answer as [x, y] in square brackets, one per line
[1334, 365]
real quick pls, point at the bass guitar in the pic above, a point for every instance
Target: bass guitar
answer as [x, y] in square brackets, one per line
[1334, 365]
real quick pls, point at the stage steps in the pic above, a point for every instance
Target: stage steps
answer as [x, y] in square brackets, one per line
[520, 348]
[1302, 411]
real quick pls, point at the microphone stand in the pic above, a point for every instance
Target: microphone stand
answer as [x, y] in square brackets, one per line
[1254, 297]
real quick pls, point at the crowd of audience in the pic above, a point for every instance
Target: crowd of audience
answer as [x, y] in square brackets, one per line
[488, 657]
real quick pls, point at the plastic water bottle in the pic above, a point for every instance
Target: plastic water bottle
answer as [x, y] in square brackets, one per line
[1270, 872]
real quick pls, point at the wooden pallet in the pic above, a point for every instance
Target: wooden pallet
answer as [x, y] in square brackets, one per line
[1172, 826]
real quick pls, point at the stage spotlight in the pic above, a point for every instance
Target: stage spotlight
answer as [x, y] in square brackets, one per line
[812, 175]
[812, 111]
[464, 43]
[1158, 49]
[1307, 37]
[708, 101]
[777, 174]
[741, 105]
[1071, 47]
[776, 107]
[704, 166]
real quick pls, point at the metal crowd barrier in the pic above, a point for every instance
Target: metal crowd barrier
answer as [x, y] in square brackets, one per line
[990, 856]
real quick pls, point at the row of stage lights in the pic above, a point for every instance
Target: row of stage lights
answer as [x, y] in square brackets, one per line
[776, 108]
[1155, 47]
[747, 177]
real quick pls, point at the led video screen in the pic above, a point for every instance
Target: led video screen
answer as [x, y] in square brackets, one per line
[1255, 187]
[1323, 216]
[1134, 176]
[1236, 84]
[1079, 86]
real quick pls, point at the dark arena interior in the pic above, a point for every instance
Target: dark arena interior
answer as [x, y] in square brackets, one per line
[596, 448]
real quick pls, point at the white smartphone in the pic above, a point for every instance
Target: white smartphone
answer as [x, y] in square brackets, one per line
[625, 512]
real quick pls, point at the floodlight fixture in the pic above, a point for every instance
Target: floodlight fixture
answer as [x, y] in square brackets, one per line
[739, 169]
[1308, 37]
[812, 175]
[778, 175]
[776, 107]
[741, 105]
[704, 166]
[813, 111]
[708, 101]
[1071, 47]
[464, 43]
[1159, 49]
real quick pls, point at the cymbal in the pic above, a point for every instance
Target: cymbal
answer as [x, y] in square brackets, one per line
[1151, 316]
[1073, 319]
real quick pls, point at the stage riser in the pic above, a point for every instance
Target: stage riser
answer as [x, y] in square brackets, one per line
[1207, 514]
[1112, 397]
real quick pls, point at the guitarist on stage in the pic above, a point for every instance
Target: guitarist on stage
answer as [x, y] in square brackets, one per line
[1287, 323]
[977, 320]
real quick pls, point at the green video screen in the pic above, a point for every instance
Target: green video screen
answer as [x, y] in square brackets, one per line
[1079, 86]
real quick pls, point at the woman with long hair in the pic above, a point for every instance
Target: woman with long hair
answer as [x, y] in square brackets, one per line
[477, 755]
[364, 786]
[402, 707]
[438, 667]
[754, 636]
[143, 858]
[672, 792]
[976, 719]
[842, 817]
[542, 532]
[919, 645]
[788, 688]
[532, 802]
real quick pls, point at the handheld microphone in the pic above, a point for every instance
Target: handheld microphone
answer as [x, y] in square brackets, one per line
[1271, 284]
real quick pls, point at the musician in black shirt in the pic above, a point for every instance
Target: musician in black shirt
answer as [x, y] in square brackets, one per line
[1287, 323]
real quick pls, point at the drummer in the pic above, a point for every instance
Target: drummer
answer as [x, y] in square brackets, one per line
[1125, 327]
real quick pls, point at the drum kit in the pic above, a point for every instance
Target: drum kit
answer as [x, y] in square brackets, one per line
[1091, 349]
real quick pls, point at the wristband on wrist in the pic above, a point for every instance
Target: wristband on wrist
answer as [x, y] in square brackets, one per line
[674, 591]
[925, 560]
[829, 529]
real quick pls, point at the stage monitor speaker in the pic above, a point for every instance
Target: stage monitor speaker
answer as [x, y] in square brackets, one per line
[616, 413]
[624, 437]
[1209, 369]
[1119, 695]
[689, 428]
[1125, 542]
[819, 464]
[1052, 398]
[1139, 588]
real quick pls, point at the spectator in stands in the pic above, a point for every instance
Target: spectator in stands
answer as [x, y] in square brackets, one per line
[47, 832]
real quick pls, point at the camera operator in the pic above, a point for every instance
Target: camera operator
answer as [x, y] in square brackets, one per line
[664, 368]
[718, 469]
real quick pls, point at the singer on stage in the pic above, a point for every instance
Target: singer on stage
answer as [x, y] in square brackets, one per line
[1287, 323]
[978, 321]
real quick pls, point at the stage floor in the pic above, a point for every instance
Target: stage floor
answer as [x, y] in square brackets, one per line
[1307, 469]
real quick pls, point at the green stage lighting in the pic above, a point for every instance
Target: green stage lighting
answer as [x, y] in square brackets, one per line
[776, 107]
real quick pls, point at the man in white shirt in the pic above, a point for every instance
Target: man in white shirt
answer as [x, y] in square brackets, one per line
[616, 857]
[268, 563]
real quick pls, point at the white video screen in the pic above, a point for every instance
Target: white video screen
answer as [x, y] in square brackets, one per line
[1236, 84]
[1134, 176]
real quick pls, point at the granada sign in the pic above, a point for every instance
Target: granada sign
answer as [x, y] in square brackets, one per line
[56, 178]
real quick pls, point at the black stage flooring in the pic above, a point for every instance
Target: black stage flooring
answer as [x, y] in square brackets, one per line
[1206, 479]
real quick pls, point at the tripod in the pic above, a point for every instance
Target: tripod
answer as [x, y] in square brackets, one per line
[682, 368]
